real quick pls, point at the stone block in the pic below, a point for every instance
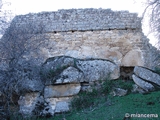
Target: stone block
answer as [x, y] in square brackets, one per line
[133, 58]
[61, 90]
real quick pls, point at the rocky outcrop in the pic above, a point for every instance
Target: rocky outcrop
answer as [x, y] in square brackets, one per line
[146, 79]
[63, 77]
[66, 69]
[143, 84]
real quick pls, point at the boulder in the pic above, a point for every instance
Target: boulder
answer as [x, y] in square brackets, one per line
[119, 92]
[98, 69]
[70, 75]
[27, 103]
[129, 60]
[64, 69]
[57, 105]
[143, 84]
[62, 77]
[61, 90]
[34, 104]
[147, 74]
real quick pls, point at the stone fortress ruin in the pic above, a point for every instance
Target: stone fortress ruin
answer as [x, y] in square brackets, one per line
[93, 33]
[88, 44]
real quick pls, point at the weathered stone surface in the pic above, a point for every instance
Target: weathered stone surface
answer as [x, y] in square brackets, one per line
[116, 45]
[31, 85]
[62, 106]
[95, 69]
[70, 75]
[97, 47]
[147, 75]
[28, 102]
[58, 105]
[81, 19]
[143, 84]
[133, 58]
[61, 90]
[72, 70]
[119, 92]
[137, 89]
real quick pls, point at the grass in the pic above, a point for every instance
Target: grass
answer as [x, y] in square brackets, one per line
[100, 105]
[115, 108]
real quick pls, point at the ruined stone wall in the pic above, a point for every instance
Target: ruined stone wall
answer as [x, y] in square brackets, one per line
[81, 20]
[86, 38]
[91, 33]
[124, 47]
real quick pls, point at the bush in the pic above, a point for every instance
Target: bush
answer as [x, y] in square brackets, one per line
[84, 100]
[87, 99]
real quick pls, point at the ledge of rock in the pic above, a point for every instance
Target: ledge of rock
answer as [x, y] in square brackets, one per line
[61, 90]
[146, 78]
[71, 70]
[62, 78]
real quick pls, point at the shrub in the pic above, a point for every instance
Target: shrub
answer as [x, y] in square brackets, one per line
[88, 99]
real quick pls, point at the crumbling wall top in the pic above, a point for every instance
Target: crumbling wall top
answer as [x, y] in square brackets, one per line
[81, 20]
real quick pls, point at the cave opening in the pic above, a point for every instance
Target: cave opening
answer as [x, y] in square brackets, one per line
[126, 72]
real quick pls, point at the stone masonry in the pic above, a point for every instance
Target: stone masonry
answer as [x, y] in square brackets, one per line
[91, 33]
[82, 47]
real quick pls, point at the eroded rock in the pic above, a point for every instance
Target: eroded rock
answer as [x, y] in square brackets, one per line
[143, 84]
[147, 75]
[129, 60]
[72, 70]
[137, 89]
[57, 105]
[28, 102]
[70, 75]
[61, 90]
[119, 92]
[98, 69]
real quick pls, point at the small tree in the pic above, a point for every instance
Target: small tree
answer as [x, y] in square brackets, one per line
[5, 17]
[15, 45]
[153, 8]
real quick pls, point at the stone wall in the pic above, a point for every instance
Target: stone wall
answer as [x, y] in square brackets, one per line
[117, 45]
[90, 33]
[83, 47]
[82, 20]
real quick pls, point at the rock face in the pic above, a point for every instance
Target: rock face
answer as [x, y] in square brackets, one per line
[28, 102]
[147, 74]
[61, 90]
[146, 79]
[78, 70]
[143, 84]
[63, 77]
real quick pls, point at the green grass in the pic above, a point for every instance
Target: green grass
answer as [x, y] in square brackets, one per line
[114, 108]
